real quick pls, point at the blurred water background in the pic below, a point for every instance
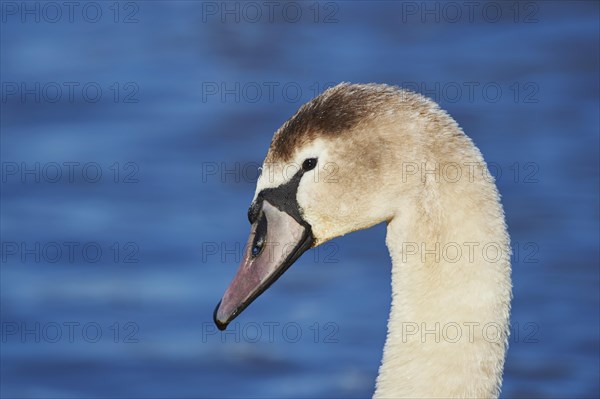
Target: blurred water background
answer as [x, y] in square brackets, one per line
[108, 282]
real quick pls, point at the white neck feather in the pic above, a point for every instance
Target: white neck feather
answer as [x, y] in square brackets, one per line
[448, 325]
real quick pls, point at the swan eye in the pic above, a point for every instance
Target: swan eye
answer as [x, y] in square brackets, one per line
[309, 164]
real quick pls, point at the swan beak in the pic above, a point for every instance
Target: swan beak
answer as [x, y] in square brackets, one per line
[276, 241]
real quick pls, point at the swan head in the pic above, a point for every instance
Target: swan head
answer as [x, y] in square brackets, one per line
[326, 174]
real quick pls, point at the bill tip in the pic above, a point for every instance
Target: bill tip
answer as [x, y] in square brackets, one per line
[220, 325]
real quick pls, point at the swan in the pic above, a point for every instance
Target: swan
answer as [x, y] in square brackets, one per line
[361, 154]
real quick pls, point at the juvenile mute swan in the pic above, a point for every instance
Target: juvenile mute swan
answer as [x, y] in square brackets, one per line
[359, 155]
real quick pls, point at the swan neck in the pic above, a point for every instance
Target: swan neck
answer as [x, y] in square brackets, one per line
[448, 323]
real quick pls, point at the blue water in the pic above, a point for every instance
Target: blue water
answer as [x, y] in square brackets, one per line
[128, 312]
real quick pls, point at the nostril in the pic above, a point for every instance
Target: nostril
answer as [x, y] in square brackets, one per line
[257, 248]
[259, 236]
